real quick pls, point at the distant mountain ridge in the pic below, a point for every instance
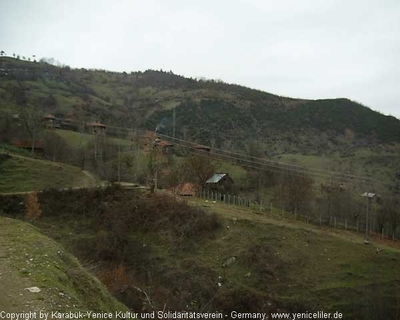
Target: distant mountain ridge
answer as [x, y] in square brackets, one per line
[210, 112]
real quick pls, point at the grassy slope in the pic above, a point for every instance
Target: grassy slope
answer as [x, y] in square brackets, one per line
[381, 163]
[295, 265]
[75, 139]
[28, 259]
[19, 174]
[304, 266]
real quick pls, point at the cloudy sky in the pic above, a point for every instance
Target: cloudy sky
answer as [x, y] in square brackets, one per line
[300, 48]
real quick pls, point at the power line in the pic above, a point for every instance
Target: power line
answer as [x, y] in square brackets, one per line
[255, 162]
[277, 165]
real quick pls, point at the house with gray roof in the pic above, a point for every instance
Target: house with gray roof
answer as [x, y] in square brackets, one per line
[220, 182]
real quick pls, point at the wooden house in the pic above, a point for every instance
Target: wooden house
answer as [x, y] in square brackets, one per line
[220, 182]
[27, 145]
[96, 128]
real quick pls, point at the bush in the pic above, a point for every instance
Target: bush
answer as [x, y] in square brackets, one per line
[12, 205]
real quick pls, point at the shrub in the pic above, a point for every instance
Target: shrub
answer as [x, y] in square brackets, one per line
[12, 205]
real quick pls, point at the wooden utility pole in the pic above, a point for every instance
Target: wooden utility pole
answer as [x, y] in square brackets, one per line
[155, 180]
[369, 196]
[173, 121]
[119, 164]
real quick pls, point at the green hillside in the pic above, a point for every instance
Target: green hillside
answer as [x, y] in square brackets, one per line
[206, 111]
[22, 173]
[350, 137]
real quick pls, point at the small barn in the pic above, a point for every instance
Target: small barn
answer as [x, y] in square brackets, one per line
[27, 145]
[220, 182]
[185, 189]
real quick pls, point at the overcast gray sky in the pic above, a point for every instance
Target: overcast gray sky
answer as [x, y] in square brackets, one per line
[305, 48]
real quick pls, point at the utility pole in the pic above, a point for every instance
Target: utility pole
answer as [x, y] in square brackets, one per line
[369, 197]
[155, 180]
[119, 164]
[81, 144]
[173, 121]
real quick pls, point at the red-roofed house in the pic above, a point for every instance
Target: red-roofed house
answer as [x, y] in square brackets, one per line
[27, 145]
[185, 189]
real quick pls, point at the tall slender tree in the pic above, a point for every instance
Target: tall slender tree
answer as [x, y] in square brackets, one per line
[32, 119]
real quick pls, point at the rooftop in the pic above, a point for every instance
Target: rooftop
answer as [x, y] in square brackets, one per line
[95, 124]
[216, 178]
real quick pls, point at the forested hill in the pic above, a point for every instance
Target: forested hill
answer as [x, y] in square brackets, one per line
[207, 111]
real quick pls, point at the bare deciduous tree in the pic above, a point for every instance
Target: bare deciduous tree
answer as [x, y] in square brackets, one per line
[32, 119]
[390, 211]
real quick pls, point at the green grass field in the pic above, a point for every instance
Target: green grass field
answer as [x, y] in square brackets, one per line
[75, 139]
[304, 265]
[382, 166]
[21, 174]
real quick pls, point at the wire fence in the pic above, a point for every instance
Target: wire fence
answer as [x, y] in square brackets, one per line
[315, 218]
